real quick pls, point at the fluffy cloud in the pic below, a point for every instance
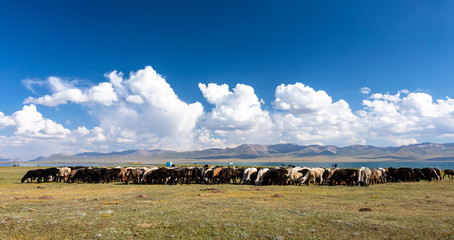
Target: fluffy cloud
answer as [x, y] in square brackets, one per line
[388, 97]
[148, 109]
[422, 104]
[237, 116]
[33, 135]
[404, 141]
[96, 135]
[407, 118]
[206, 139]
[298, 98]
[134, 110]
[135, 99]
[365, 90]
[214, 93]
[30, 123]
[139, 111]
[65, 92]
[6, 121]
[240, 109]
[311, 116]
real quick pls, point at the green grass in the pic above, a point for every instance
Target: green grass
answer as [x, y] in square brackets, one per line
[421, 210]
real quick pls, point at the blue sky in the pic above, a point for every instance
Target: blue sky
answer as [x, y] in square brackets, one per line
[322, 54]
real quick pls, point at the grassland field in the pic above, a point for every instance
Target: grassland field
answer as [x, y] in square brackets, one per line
[417, 210]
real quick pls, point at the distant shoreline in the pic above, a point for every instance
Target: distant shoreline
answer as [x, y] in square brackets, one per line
[227, 160]
[244, 163]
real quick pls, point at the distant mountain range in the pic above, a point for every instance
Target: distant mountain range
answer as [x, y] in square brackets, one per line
[277, 152]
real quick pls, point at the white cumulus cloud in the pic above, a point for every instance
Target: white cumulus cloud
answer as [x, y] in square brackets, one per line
[365, 90]
[298, 98]
[30, 123]
[6, 121]
[238, 115]
[407, 118]
[135, 99]
[310, 116]
[65, 92]
[157, 112]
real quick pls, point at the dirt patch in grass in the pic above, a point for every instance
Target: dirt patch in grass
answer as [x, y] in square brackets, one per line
[48, 197]
[212, 190]
[365, 210]
[20, 198]
[277, 196]
[217, 191]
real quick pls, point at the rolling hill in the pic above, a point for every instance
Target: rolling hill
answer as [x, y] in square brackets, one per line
[277, 152]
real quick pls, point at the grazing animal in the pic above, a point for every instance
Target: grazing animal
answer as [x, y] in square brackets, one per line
[364, 175]
[197, 174]
[80, 175]
[207, 175]
[72, 174]
[384, 174]
[182, 175]
[276, 176]
[158, 176]
[419, 175]
[63, 174]
[134, 175]
[377, 176]
[50, 174]
[247, 174]
[215, 176]
[124, 173]
[438, 171]
[325, 175]
[146, 172]
[253, 177]
[430, 174]
[225, 175]
[32, 175]
[294, 175]
[314, 175]
[400, 174]
[374, 176]
[237, 173]
[340, 176]
[115, 174]
[449, 172]
[259, 179]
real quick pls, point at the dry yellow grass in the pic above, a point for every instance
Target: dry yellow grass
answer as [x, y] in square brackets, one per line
[421, 210]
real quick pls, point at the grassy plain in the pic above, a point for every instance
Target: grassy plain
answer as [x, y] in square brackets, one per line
[423, 210]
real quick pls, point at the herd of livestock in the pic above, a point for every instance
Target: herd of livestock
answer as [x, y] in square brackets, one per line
[223, 175]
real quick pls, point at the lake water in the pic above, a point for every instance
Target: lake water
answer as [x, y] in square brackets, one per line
[440, 165]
